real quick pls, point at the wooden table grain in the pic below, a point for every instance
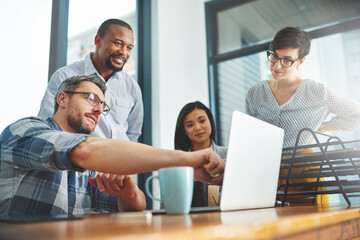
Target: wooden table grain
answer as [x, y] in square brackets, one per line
[294, 222]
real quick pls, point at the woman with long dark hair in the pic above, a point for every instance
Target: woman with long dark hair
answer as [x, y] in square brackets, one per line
[195, 130]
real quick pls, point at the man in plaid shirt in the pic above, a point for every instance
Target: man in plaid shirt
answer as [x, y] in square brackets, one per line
[46, 165]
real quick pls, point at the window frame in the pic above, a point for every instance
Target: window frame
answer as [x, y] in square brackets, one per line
[58, 56]
[212, 8]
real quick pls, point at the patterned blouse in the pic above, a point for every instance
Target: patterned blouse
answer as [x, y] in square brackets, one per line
[307, 108]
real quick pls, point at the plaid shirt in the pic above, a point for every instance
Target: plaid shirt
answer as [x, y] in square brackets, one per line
[36, 176]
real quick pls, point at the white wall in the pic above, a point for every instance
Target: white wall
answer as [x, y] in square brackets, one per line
[179, 60]
[179, 63]
[25, 41]
[179, 66]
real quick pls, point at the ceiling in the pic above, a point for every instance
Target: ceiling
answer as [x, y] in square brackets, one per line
[260, 20]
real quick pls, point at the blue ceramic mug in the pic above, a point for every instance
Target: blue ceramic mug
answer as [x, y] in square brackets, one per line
[176, 188]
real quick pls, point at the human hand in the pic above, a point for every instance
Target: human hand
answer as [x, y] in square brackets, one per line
[115, 185]
[327, 127]
[131, 198]
[212, 168]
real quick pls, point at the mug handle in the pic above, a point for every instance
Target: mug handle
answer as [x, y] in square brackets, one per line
[147, 188]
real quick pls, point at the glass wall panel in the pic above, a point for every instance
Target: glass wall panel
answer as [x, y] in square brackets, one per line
[235, 78]
[257, 21]
[85, 17]
[333, 60]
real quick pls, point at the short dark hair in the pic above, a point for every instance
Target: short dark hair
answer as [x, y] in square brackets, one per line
[292, 37]
[182, 142]
[71, 83]
[104, 27]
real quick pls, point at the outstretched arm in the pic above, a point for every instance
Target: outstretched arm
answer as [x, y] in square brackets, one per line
[125, 158]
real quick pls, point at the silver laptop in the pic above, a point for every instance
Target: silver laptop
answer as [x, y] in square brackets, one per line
[252, 165]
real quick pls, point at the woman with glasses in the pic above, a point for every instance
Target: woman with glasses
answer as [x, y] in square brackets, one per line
[293, 103]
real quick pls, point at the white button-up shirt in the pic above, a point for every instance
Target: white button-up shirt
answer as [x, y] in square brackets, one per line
[123, 95]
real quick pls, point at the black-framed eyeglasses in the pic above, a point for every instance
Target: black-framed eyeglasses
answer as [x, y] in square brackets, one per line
[285, 62]
[94, 100]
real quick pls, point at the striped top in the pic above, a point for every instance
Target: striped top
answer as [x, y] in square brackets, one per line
[307, 108]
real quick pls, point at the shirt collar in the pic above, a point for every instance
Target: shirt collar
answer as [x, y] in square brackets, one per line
[90, 68]
[53, 124]
[212, 144]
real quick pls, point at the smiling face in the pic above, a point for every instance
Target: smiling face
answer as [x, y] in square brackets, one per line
[280, 72]
[198, 128]
[82, 117]
[114, 49]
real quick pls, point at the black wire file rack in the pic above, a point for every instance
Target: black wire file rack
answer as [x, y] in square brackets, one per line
[331, 167]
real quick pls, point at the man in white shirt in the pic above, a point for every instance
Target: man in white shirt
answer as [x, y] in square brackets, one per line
[113, 44]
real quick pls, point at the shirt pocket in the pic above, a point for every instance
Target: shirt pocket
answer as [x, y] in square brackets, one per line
[122, 110]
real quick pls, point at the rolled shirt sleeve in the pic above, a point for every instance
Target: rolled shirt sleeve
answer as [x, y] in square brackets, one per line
[346, 110]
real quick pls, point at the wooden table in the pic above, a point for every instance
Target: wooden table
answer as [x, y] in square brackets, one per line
[294, 222]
